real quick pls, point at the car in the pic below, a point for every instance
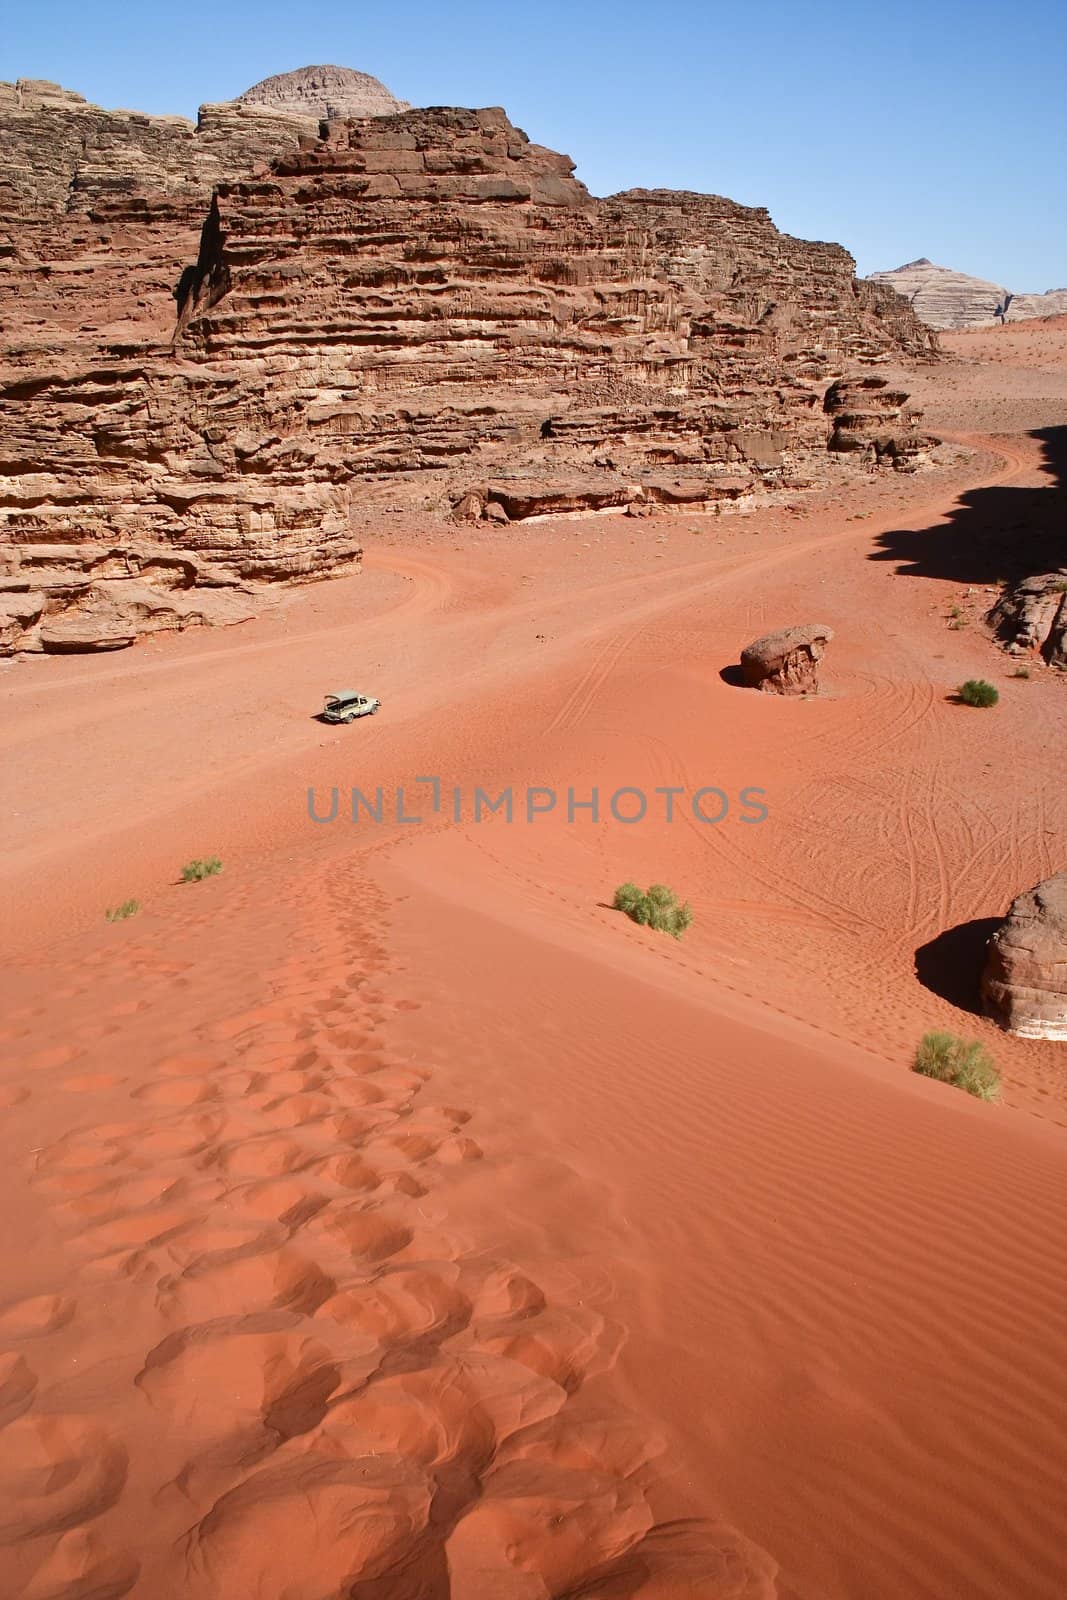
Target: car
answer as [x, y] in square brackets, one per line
[346, 705]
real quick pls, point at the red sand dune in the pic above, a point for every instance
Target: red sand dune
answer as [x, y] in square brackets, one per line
[388, 1217]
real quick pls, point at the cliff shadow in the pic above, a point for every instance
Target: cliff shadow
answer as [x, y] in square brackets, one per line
[994, 535]
[951, 965]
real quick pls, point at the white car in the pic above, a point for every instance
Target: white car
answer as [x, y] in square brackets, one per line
[346, 705]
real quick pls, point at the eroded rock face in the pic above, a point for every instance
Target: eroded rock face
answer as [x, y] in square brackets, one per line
[871, 420]
[786, 662]
[1024, 984]
[423, 309]
[944, 298]
[100, 211]
[114, 519]
[503, 318]
[325, 93]
[1032, 617]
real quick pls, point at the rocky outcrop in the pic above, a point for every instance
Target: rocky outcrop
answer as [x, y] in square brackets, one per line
[515, 499]
[420, 309]
[1032, 616]
[1024, 984]
[944, 298]
[324, 93]
[504, 319]
[870, 419]
[113, 521]
[101, 210]
[786, 662]
[1024, 307]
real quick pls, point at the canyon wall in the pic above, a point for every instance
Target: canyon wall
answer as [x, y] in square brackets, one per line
[432, 304]
[422, 309]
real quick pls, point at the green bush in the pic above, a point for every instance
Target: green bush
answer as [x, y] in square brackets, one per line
[128, 908]
[658, 908]
[194, 871]
[977, 692]
[951, 1060]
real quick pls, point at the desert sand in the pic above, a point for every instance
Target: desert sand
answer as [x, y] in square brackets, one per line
[388, 1217]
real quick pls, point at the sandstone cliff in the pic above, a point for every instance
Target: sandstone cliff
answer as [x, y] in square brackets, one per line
[100, 210]
[411, 309]
[943, 298]
[432, 294]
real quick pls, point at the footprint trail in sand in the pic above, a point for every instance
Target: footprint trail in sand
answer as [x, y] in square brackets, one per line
[268, 1366]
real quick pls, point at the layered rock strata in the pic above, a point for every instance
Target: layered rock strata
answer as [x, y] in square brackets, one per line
[944, 298]
[324, 93]
[423, 309]
[113, 521]
[100, 210]
[871, 420]
[1024, 983]
[433, 294]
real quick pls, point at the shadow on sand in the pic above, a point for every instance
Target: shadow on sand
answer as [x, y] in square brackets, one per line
[733, 676]
[951, 965]
[994, 535]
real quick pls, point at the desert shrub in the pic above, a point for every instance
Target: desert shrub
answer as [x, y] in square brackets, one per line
[658, 908]
[128, 908]
[1021, 672]
[194, 871]
[627, 898]
[951, 1060]
[977, 692]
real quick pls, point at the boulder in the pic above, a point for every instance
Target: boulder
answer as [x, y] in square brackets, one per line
[1032, 615]
[786, 662]
[1024, 984]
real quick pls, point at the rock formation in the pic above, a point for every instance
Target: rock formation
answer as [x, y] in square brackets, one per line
[786, 662]
[1023, 307]
[100, 210]
[509, 325]
[873, 420]
[1032, 616]
[324, 93]
[1024, 984]
[944, 298]
[423, 308]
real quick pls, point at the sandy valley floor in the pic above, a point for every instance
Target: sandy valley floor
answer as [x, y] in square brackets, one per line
[387, 1217]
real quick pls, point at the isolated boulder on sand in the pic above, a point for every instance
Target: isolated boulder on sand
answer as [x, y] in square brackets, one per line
[1024, 985]
[786, 662]
[1033, 616]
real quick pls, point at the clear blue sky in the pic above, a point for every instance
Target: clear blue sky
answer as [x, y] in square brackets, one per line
[900, 130]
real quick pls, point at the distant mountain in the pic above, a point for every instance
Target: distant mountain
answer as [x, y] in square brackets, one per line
[943, 298]
[324, 92]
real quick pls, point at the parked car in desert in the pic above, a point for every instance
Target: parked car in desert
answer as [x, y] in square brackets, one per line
[347, 704]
